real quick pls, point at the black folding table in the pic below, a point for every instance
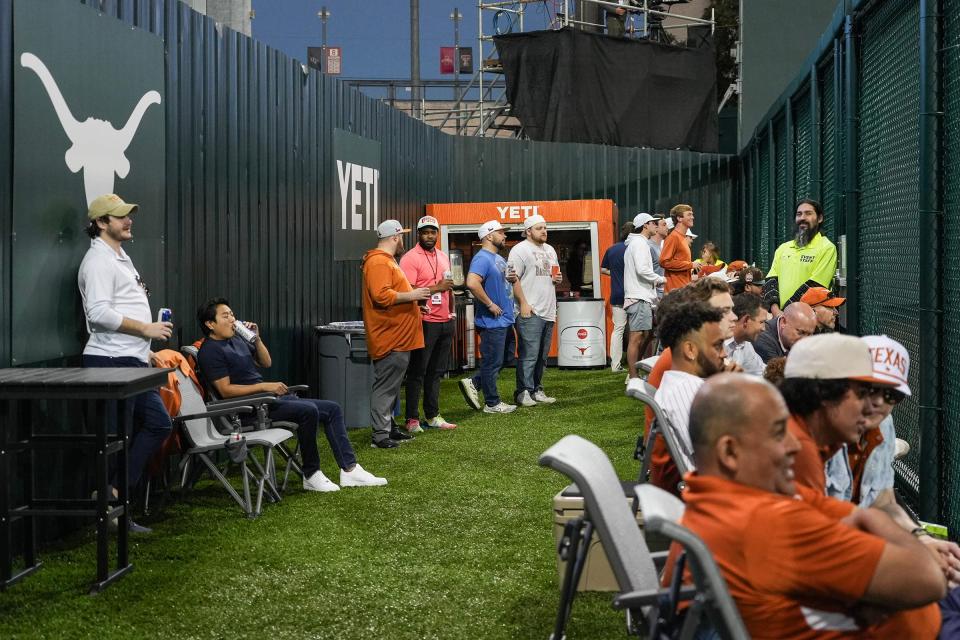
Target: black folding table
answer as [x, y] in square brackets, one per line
[99, 392]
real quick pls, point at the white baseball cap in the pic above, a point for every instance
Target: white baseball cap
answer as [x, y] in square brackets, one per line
[891, 361]
[641, 219]
[670, 223]
[691, 234]
[390, 228]
[533, 221]
[488, 227]
[427, 221]
[832, 356]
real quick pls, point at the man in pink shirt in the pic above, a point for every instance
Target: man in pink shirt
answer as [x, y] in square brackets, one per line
[427, 266]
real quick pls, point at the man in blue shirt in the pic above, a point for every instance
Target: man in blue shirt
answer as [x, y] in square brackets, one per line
[490, 285]
[612, 265]
[228, 363]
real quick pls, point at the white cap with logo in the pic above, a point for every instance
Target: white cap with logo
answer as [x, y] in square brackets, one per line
[533, 221]
[390, 228]
[832, 356]
[891, 361]
[427, 221]
[488, 227]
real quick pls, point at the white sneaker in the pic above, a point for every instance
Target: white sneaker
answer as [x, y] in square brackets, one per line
[634, 387]
[540, 396]
[319, 482]
[360, 477]
[503, 407]
[470, 393]
[524, 400]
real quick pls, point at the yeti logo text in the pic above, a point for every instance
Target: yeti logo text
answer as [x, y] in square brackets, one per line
[351, 177]
[513, 212]
[98, 148]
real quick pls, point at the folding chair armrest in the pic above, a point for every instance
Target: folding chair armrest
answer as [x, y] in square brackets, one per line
[230, 411]
[232, 402]
[647, 597]
[297, 388]
[252, 399]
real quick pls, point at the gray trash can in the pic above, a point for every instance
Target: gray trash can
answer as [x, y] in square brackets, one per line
[346, 373]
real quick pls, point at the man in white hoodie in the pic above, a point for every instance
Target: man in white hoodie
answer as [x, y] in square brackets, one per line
[639, 289]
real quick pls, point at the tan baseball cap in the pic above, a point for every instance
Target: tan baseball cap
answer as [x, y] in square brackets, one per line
[833, 356]
[110, 205]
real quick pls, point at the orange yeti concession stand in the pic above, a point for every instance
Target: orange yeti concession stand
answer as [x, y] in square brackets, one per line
[580, 231]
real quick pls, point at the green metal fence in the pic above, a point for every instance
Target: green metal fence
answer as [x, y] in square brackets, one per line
[870, 127]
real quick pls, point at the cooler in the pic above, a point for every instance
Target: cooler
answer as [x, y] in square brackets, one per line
[597, 574]
[580, 330]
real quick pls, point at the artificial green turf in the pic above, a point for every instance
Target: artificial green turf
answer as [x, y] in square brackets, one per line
[460, 544]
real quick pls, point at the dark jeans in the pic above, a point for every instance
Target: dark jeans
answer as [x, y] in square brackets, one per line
[307, 413]
[510, 349]
[151, 422]
[950, 615]
[491, 361]
[534, 335]
[426, 369]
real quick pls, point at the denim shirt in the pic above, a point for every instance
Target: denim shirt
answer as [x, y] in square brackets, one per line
[878, 474]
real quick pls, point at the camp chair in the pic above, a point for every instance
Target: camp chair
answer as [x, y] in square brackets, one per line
[712, 603]
[605, 511]
[197, 423]
[260, 403]
[662, 425]
[646, 365]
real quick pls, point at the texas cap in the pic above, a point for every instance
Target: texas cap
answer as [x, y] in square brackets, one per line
[891, 361]
[110, 205]
[427, 221]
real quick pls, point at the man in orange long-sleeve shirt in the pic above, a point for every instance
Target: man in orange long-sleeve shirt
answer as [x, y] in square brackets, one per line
[391, 318]
[675, 256]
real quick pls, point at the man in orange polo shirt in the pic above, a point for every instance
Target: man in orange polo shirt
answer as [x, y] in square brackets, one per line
[797, 563]
[391, 318]
[675, 256]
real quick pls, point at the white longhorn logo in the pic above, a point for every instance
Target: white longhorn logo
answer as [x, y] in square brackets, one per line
[98, 148]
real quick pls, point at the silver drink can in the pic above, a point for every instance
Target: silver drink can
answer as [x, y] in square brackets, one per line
[242, 331]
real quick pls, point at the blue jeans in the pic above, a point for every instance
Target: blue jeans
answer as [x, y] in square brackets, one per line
[534, 335]
[491, 361]
[151, 422]
[307, 413]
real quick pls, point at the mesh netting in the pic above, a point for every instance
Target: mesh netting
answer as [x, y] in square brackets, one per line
[762, 229]
[781, 211]
[888, 172]
[950, 443]
[829, 137]
[802, 136]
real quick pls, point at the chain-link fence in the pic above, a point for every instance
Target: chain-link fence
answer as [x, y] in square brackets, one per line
[871, 128]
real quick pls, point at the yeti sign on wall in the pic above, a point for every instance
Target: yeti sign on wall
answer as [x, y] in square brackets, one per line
[357, 199]
[88, 119]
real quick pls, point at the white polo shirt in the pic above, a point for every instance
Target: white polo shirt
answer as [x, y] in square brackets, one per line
[110, 292]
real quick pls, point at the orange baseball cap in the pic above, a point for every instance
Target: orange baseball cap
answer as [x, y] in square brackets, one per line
[815, 296]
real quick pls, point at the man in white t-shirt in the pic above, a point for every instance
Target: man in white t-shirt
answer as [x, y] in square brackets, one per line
[120, 324]
[538, 273]
[640, 283]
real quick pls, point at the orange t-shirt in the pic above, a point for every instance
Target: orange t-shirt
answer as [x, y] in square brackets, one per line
[792, 567]
[675, 260]
[663, 472]
[390, 327]
[809, 465]
[857, 455]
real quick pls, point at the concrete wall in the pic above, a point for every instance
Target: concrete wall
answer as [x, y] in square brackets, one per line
[235, 14]
[776, 36]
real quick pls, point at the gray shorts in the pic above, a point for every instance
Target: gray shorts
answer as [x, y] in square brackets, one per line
[640, 316]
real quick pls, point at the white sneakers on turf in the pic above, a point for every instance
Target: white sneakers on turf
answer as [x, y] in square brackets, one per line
[470, 393]
[503, 407]
[524, 400]
[360, 477]
[319, 482]
[540, 396]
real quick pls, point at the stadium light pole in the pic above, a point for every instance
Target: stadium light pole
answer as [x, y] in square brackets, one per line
[324, 15]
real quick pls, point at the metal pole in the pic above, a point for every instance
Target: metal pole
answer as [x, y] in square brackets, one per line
[414, 55]
[456, 16]
[482, 61]
[929, 268]
[851, 186]
[324, 15]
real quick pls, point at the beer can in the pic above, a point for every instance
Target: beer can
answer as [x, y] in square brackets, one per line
[164, 315]
[242, 331]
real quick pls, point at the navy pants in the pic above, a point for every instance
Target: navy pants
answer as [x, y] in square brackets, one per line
[151, 422]
[307, 413]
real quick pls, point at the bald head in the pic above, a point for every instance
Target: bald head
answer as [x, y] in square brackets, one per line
[799, 321]
[738, 427]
